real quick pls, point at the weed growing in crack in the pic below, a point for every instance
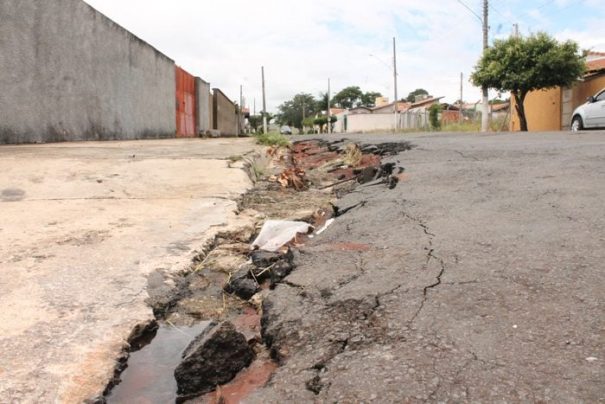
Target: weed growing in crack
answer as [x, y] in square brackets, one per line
[272, 139]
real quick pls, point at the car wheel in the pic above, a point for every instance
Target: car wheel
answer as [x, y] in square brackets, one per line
[576, 124]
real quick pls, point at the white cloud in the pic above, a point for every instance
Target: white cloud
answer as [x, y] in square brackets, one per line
[303, 43]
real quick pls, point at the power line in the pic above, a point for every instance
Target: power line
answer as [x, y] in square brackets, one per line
[545, 4]
[463, 4]
[500, 13]
[528, 13]
[558, 10]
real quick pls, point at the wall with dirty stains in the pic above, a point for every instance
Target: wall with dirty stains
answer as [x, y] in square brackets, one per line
[69, 73]
[224, 114]
[204, 106]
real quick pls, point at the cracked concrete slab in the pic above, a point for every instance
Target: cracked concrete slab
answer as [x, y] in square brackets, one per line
[82, 225]
[482, 280]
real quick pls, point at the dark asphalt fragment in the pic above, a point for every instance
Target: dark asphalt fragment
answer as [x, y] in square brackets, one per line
[243, 286]
[212, 359]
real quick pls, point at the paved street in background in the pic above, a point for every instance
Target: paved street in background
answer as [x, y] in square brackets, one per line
[479, 278]
[82, 225]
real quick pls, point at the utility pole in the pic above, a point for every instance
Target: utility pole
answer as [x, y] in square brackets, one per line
[329, 112]
[461, 95]
[396, 103]
[241, 110]
[516, 30]
[485, 98]
[302, 123]
[264, 101]
[254, 102]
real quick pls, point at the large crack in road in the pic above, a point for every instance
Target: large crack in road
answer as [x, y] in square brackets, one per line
[226, 282]
[458, 285]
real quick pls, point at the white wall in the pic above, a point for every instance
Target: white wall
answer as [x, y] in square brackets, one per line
[69, 73]
[384, 122]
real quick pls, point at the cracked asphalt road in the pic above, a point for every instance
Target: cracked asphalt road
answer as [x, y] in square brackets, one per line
[479, 278]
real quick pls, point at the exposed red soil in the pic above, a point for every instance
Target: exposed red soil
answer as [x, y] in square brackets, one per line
[348, 246]
[257, 375]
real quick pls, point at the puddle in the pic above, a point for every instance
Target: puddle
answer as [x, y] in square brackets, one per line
[149, 377]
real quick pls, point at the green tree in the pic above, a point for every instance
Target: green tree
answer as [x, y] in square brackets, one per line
[521, 65]
[322, 102]
[309, 121]
[348, 97]
[368, 99]
[412, 95]
[434, 111]
[323, 120]
[255, 121]
[291, 112]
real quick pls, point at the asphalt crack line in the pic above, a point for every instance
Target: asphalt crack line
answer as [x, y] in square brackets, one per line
[316, 384]
[439, 275]
[466, 156]
[425, 290]
[429, 257]
[291, 284]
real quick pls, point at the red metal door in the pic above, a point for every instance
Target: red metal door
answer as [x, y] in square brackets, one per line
[185, 104]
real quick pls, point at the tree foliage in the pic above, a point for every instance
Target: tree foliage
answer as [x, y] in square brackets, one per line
[434, 112]
[322, 102]
[368, 99]
[348, 97]
[412, 95]
[322, 120]
[291, 112]
[309, 121]
[520, 65]
[256, 121]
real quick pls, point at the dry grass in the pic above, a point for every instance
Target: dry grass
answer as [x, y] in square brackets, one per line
[353, 154]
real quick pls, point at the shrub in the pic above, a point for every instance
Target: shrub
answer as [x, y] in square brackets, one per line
[272, 139]
[434, 111]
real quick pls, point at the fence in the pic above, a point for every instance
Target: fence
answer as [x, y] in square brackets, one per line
[414, 120]
[185, 104]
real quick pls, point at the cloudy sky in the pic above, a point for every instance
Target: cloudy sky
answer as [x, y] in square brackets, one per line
[303, 43]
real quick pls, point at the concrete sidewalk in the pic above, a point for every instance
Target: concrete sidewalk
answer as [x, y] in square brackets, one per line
[82, 225]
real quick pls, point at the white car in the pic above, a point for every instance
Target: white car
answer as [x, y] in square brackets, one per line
[590, 114]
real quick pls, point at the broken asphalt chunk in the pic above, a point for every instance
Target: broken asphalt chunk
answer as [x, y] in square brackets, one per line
[242, 286]
[212, 359]
[264, 259]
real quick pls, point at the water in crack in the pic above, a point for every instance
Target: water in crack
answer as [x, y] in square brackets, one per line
[149, 377]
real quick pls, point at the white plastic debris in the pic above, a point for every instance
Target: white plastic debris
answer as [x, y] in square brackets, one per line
[325, 226]
[276, 233]
[591, 359]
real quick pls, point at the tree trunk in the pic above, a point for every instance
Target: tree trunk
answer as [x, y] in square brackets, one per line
[520, 107]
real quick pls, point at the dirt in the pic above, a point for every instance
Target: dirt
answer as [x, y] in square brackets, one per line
[327, 170]
[257, 375]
